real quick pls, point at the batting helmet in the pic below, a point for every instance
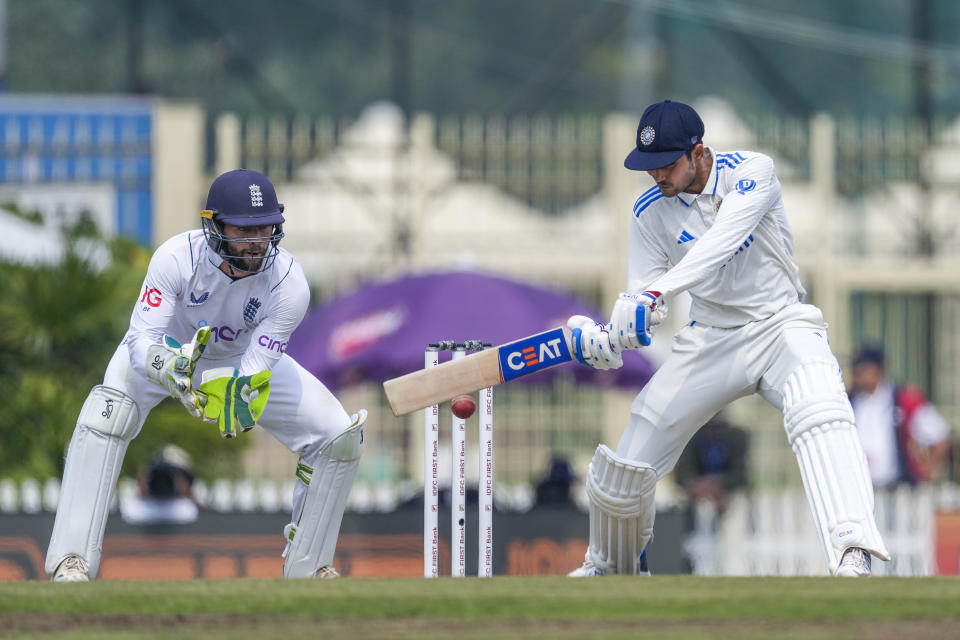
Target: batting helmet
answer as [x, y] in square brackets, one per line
[243, 198]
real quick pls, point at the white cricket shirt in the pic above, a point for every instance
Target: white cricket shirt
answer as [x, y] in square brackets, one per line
[731, 246]
[184, 290]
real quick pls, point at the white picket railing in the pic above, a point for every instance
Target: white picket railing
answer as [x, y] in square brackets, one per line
[31, 496]
[772, 533]
[766, 532]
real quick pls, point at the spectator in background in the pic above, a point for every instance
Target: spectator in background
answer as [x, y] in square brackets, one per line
[554, 488]
[903, 435]
[714, 463]
[164, 490]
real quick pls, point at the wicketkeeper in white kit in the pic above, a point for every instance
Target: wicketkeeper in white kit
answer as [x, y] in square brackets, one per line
[218, 304]
[719, 219]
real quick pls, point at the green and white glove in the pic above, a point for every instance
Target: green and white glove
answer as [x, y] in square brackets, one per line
[231, 400]
[171, 365]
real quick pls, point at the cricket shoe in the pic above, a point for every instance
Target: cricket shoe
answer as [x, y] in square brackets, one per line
[590, 570]
[325, 573]
[72, 569]
[854, 564]
[586, 570]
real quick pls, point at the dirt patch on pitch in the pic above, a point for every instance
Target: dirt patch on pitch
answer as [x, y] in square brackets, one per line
[214, 627]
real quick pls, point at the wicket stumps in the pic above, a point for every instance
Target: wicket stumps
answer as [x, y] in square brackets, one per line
[458, 477]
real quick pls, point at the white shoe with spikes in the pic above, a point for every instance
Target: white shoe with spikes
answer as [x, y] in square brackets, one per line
[72, 569]
[855, 563]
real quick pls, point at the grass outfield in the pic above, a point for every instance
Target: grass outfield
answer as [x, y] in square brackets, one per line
[657, 607]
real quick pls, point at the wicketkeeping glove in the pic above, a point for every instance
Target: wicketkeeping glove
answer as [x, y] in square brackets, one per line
[171, 365]
[233, 401]
[590, 344]
[634, 320]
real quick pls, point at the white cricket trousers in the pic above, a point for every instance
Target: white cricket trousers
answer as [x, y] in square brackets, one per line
[301, 413]
[708, 368]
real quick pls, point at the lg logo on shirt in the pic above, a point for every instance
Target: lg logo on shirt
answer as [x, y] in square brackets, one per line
[151, 296]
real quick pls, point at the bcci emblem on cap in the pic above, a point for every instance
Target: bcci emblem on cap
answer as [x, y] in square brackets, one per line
[647, 134]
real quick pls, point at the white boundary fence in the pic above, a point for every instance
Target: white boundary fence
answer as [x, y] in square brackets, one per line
[772, 533]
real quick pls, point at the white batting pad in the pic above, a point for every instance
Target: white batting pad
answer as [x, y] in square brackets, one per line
[820, 427]
[313, 538]
[622, 510]
[108, 421]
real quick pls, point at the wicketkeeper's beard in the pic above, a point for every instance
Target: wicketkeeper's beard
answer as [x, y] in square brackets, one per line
[251, 263]
[245, 260]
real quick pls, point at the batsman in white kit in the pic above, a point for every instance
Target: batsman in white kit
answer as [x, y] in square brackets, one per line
[218, 305]
[719, 220]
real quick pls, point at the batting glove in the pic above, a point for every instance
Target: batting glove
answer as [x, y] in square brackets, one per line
[634, 320]
[171, 365]
[232, 401]
[590, 344]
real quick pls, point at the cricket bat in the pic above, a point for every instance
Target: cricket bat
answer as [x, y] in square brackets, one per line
[476, 371]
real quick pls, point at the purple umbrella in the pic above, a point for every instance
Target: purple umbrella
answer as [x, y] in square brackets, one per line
[379, 331]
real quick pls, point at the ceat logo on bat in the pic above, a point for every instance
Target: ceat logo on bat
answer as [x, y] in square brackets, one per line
[533, 354]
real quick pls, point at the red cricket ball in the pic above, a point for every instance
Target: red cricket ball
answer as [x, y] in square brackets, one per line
[463, 406]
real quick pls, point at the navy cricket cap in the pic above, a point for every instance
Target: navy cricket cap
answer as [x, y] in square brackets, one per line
[244, 198]
[667, 129]
[869, 354]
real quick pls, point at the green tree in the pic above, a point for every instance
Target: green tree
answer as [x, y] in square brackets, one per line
[61, 324]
